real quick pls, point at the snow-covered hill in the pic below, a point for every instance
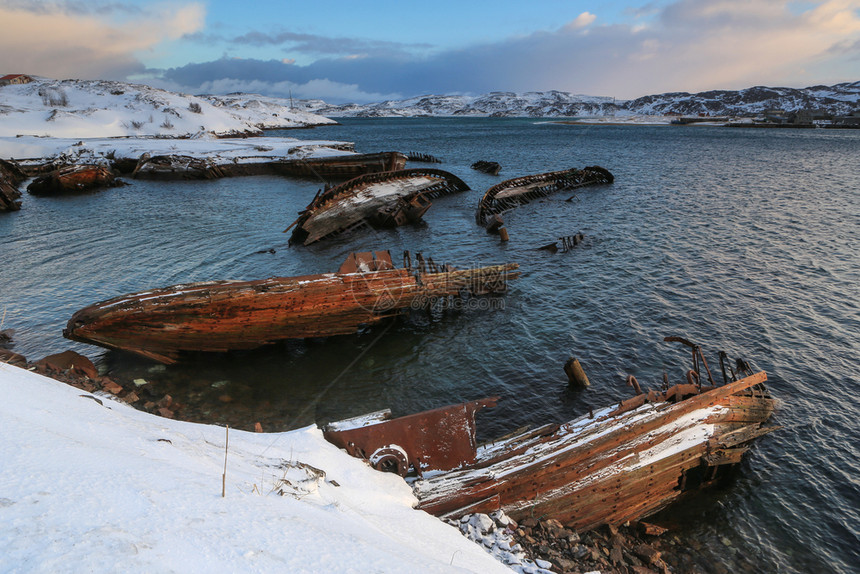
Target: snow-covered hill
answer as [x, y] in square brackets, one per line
[839, 99]
[95, 108]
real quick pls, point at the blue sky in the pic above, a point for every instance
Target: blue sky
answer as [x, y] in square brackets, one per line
[363, 51]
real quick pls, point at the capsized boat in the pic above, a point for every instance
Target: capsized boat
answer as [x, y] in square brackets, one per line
[512, 193]
[620, 463]
[375, 200]
[232, 315]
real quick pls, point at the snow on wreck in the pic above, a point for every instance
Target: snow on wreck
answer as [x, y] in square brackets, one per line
[379, 200]
[621, 463]
[220, 316]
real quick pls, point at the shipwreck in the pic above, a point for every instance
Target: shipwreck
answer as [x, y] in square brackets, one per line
[223, 316]
[513, 193]
[379, 200]
[622, 463]
[339, 167]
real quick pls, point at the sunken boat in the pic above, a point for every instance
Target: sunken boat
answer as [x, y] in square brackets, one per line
[513, 193]
[339, 167]
[618, 464]
[219, 316]
[379, 200]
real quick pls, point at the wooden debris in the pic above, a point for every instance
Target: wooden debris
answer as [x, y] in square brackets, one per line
[423, 157]
[488, 167]
[377, 200]
[10, 177]
[512, 193]
[611, 467]
[575, 374]
[229, 315]
[73, 179]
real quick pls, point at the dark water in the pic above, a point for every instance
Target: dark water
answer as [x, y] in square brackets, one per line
[741, 240]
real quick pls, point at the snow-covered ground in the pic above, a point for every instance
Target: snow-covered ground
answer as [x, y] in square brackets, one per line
[92, 485]
[219, 150]
[96, 109]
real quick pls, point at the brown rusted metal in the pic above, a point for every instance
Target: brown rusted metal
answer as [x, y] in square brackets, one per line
[376, 200]
[231, 315]
[438, 439]
[521, 190]
[607, 467]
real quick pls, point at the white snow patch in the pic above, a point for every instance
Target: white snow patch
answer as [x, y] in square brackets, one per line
[102, 487]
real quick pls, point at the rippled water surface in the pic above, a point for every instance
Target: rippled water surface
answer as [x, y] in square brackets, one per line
[741, 240]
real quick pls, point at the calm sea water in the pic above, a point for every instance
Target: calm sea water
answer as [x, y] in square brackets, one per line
[741, 240]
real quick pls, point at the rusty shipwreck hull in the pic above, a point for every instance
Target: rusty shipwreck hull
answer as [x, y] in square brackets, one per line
[376, 200]
[621, 463]
[342, 166]
[232, 315]
[512, 193]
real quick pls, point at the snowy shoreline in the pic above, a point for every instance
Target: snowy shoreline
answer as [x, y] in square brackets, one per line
[96, 485]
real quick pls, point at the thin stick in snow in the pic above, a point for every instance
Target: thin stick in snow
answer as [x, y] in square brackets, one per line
[224, 476]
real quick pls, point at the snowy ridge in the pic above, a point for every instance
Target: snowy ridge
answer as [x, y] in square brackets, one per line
[839, 99]
[96, 108]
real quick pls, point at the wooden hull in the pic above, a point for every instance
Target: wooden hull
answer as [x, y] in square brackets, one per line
[342, 166]
[619, 466]
[521, 190]
[230, 315]
[369, 200]
[621, 463]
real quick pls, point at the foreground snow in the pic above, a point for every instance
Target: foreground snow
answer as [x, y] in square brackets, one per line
[90, 487]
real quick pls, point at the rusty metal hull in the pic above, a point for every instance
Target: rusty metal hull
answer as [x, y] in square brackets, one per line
[230, 315]
[512, 193]
[374, 200]
[621, 463]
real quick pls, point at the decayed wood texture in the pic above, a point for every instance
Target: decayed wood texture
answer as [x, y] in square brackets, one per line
[615, 467]
[342, 166]
[521, 190]
[369, 200]
[230, 315]
[339, 167]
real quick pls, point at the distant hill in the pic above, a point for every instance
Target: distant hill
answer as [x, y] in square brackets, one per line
[95, 108]
[838, 99]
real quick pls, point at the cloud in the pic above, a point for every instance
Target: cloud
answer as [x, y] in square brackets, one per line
[62, 40]
[687, 45]
[581, 21]
[325, 45]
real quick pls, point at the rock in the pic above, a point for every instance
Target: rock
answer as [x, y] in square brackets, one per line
[165, 402]
[482, 522]
[71, 361]
[6, 338]
[166, 413]
[12, 358]
[529, 522]
[131, 398]
[112, 388]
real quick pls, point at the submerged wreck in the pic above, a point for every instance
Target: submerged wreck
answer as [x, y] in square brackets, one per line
[222, 316]
[512, 193]
[344, 166]
[380, 200]
[621, 463]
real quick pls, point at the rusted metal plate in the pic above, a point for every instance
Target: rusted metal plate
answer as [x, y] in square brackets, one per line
[438, 439]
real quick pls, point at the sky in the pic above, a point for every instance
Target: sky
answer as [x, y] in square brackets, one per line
[347, 51]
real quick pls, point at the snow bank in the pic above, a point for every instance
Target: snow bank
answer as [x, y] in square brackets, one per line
[95, 108]
[94, 485]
